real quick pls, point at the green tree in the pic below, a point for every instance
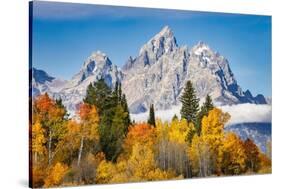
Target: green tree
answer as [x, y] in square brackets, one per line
[204, 110]
[126, 110]
[113, 134]
[100, 95]
[175, 117]
[190, 103]
[151, 118]
[114, 116]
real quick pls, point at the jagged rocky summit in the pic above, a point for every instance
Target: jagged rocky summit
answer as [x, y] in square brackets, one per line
[156, 75]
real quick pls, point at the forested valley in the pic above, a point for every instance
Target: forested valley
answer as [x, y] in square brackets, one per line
[101, 144]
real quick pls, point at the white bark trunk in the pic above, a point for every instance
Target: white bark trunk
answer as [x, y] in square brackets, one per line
[80, 151]
[50, 148]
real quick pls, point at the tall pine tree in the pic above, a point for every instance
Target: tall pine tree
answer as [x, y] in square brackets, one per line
[127, 118]
[190, 103]
[204, 110]
[99, 94]
[151, 118]
[114, 116]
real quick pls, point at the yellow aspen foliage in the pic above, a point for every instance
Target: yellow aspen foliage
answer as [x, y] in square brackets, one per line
[105, 172]
[89, 121]
[55, 175]
[143, 167]
[213, 126]
[141, 160]
[213, 134]
[233, 155]
[71, 139]
[199, 156]
[38, 176]
[162, 130]
[121, 175]
[38, 139]
[139, 167]
[140, 133]
[179, 131]
[158, 174]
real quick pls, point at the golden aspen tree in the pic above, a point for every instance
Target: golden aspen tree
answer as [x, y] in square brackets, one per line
[89, 126]
[51, 116]
[179, 131]
[140, 133]
[213, 134]
[38, 141]
[199, 155]
[55, 175]
[105, 172]
[233, 157]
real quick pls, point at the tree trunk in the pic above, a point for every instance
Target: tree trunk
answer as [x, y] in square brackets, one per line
[49, 147]
[80, 151]
[35, 158]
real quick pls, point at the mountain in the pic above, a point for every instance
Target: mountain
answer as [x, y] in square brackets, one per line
[96, 66]
[158, 75]
[42, 82]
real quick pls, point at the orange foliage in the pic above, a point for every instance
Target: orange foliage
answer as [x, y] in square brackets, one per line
[44, 103]
[88, 112]
[140, 133]
[265, 164]
[84, 111]
[46, 108]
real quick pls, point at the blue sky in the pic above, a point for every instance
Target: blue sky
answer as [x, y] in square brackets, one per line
[64, 35]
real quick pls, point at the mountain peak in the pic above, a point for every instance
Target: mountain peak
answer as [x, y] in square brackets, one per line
[41, 76]
[166, 32]
[163, 42]
[97, 57]
[201, 47]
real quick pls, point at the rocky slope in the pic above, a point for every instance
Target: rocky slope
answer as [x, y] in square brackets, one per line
[158, 75]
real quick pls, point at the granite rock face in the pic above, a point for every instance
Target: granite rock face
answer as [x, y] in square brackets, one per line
[156, 75]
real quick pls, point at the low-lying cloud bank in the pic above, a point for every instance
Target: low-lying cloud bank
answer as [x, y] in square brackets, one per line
[241, 113]
[248, 113]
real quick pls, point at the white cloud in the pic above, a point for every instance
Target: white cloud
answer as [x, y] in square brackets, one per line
[165, 115]
[247, 113]
[241, 113]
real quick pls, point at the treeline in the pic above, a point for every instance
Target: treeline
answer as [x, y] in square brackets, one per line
[102, 145]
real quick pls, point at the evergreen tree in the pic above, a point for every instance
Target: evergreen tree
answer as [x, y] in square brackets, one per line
[61, 106]
[119, 92]
[126, 110]
[99, 95]
[175, 117]
[190, 103]
[90, 95]
[151, 118]
[114, 116]
[204, 110]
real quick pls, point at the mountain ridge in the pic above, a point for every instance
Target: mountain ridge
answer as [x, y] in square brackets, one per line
[156, 75]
